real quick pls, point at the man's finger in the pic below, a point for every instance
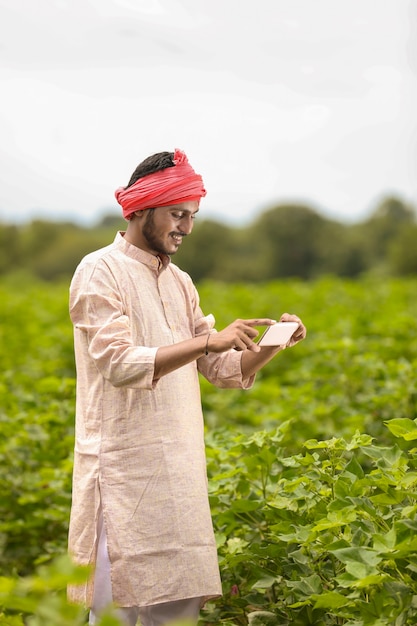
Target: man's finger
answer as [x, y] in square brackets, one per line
[264, 321]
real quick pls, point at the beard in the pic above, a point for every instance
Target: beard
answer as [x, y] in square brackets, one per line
[153, 240]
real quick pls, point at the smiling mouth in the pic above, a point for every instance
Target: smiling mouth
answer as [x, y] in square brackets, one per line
[177, 238]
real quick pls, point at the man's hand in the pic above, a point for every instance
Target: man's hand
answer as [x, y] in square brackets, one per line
[299, 334]
[238, 335]
[253, 361]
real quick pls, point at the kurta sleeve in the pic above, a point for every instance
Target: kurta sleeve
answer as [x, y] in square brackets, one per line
[102, 328]
[223, 370]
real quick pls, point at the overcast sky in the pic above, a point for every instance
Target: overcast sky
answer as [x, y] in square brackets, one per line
[310, 101]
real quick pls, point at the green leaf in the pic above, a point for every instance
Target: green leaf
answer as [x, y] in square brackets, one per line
[243, 506]
[307, 586]
[335, 519]
[383, 543]
[279, 502]
[331, 600]
[354, 468]
[403, 427]
[358, 555]
[265, 582]
[235, 545]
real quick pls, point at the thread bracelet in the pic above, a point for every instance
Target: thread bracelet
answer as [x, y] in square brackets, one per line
[206, 348]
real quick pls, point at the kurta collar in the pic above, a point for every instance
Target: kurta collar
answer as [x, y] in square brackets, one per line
[157, 263]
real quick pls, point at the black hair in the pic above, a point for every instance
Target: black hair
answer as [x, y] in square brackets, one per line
[151, 164]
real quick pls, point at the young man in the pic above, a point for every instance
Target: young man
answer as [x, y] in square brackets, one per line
[140, 510]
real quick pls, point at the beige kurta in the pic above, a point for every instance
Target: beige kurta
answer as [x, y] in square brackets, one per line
[139, 449]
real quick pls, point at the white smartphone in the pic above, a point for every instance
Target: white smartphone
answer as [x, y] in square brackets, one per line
[278, 334]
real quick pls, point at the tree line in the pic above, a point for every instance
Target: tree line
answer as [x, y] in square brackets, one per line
[285, 241]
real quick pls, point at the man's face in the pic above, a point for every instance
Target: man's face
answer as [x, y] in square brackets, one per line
[164, 227]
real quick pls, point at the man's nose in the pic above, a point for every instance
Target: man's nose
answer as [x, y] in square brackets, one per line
[187, 224]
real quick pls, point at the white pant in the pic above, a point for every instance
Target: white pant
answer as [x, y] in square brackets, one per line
[155, 615]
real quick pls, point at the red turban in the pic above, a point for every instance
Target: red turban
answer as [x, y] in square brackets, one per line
[171, 185]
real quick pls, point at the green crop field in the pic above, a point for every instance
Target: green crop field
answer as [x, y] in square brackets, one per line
[312, 472]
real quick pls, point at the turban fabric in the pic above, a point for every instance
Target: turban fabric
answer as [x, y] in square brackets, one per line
[171, 185]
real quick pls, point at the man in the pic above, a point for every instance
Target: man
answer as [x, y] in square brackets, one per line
[140, 510]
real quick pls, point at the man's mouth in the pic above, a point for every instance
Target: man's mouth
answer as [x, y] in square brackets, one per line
[176, 238]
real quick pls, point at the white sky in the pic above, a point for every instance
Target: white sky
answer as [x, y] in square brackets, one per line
[309, 101]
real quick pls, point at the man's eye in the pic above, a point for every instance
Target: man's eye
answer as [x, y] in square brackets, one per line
[180, 216]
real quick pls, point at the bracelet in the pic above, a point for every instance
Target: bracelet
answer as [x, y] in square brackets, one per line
[206, 348]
